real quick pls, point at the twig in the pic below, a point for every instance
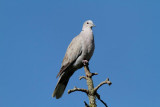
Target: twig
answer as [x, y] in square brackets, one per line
[86, 105]
[99, 98]
[82, 77]
[77, 89]
[94, 74]
[102, 83]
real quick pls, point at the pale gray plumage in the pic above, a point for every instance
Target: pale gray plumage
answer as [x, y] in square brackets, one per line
[81, 48]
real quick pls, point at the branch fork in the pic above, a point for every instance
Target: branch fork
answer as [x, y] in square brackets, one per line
[91, 92]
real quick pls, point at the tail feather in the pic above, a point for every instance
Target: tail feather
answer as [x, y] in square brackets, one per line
[59, 90]
[61, 85]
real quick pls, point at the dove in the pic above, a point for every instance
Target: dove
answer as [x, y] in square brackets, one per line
[78, 53]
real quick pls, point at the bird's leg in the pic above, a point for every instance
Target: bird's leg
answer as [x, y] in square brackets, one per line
[85, 62]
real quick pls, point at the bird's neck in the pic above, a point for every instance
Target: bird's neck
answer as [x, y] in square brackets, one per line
[87, 33]
[87, 29]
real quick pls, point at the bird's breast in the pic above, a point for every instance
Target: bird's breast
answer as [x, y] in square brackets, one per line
[88, 46]
[87, 42]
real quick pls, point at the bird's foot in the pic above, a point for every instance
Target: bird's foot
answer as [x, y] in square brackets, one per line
[85, 62]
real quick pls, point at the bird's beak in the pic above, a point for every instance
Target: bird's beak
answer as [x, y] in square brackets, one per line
[94, 25]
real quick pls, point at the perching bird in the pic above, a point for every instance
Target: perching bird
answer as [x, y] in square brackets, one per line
[78, 52]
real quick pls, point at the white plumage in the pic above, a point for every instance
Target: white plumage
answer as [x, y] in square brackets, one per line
[81, 48]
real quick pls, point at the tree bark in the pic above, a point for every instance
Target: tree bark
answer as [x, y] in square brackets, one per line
[91, 92]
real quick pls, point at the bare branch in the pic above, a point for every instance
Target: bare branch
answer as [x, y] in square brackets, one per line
[99, 98]
[77, 89]
[102, 83]
[91, 92]
[94, 74]
[87, 71]
[82, 77]
[86, 105]
[91, 96]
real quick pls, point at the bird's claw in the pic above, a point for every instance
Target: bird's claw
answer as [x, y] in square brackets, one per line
[85, 62]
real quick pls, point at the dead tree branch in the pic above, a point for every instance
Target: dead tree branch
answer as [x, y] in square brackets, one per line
[82, 77]
[102, 83]
[91, 92]
[86, 105]
[77, 89]
[99, 98]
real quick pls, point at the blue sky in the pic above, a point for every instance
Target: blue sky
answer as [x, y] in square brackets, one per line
[34, 35]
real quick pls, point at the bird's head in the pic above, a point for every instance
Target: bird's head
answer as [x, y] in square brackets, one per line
[88, 24]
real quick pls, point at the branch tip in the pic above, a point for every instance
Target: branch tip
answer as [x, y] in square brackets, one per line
[82, 77]
[94, 74]
[86, 105]
[102, 83]
[99, 98]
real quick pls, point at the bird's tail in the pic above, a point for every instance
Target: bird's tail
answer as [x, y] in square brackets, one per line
[61, 85]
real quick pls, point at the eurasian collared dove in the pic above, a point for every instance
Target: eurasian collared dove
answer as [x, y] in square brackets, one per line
[80, 50]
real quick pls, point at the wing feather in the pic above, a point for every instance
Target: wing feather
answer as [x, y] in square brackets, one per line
[74, 50]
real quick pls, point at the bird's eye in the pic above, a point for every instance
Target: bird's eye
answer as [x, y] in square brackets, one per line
[87, 22]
